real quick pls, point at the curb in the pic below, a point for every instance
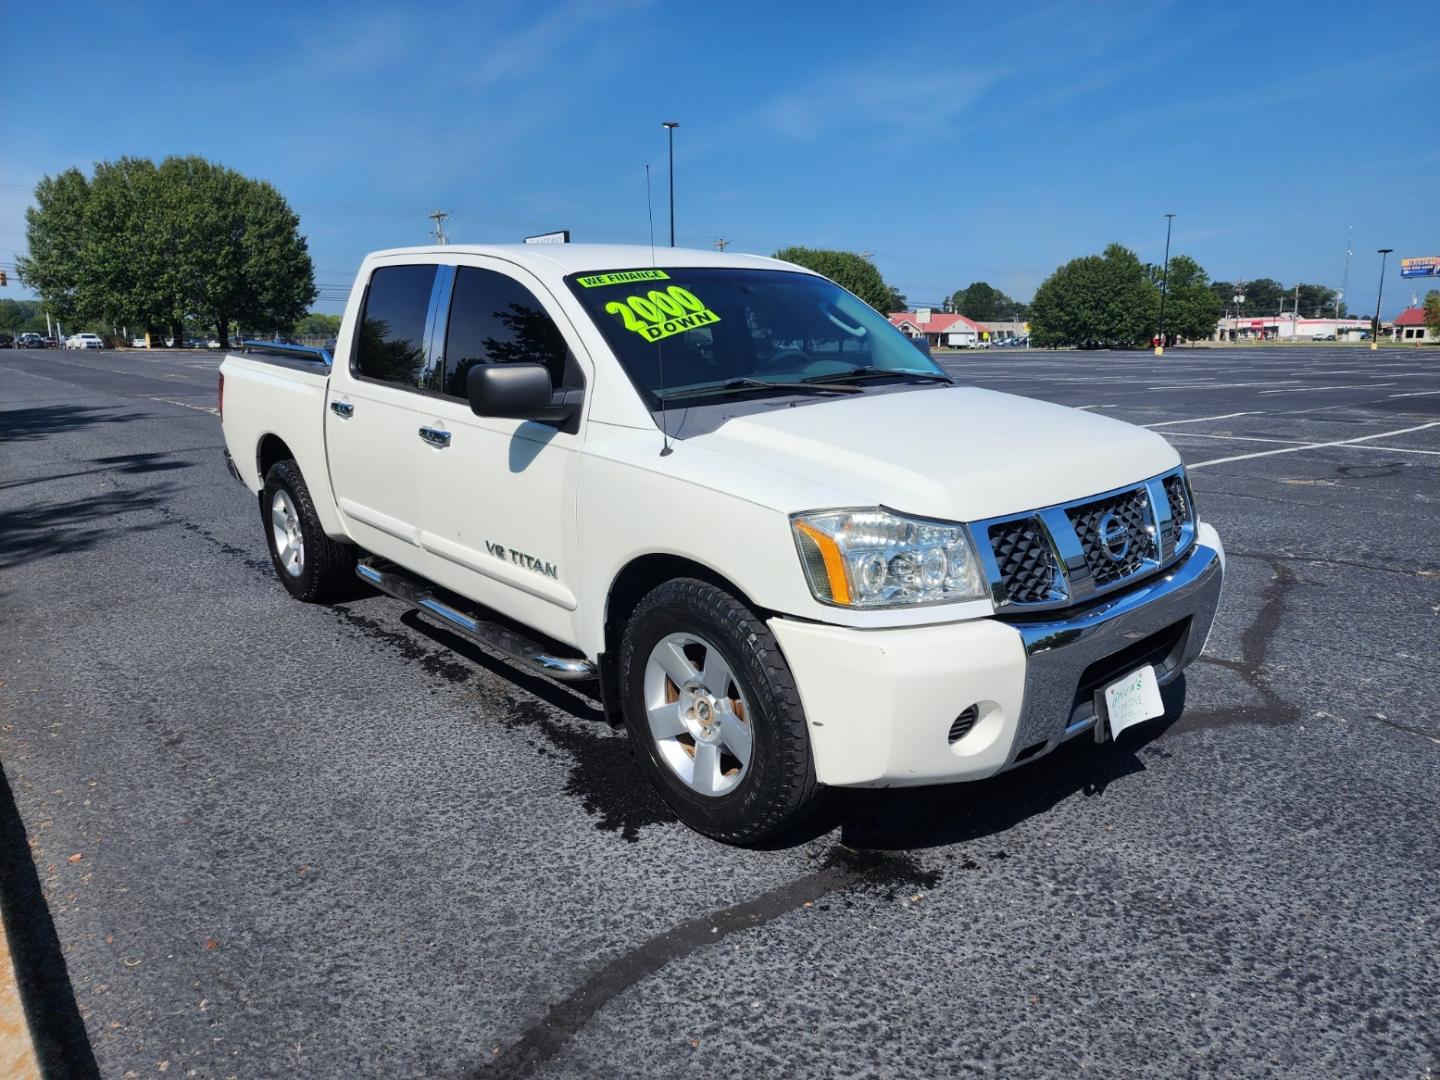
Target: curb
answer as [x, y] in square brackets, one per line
[17, 1052]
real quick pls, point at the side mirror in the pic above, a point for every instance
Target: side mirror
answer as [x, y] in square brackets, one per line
[520, 392]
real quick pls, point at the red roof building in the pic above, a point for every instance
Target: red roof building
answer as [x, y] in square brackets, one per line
[944, 329]
[1410, 326]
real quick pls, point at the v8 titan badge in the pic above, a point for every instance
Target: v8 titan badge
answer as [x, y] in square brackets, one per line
[1133, 699]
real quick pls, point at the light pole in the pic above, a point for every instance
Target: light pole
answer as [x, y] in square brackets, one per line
[1379, 292]
[670, 126]
[1164, 284]
[1239, 299]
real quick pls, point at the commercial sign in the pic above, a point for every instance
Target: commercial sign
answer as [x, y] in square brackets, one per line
[1425, 267]
[560, 237]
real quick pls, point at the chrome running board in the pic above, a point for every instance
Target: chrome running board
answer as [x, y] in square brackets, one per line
[513, 646]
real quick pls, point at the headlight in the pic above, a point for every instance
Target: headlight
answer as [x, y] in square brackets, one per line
[876, 559]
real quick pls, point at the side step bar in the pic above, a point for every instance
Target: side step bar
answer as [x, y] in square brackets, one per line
[492, 636]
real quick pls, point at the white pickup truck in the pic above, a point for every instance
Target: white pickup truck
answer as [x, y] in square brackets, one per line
[790, 551]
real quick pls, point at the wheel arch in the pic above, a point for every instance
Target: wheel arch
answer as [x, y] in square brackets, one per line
[270, 449]
[636, 578]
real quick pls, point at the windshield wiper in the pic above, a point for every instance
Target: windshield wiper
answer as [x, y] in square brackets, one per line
[736, 385]
[870, 371]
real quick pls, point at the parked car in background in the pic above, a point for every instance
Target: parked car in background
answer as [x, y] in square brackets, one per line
[139, 343]
[213, 343]
[6, 341]
[84, 341]
[30, 340]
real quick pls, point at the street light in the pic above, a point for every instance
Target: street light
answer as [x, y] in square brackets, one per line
[1164, 283]
[1239, 299]
[1375, 326]
[670, 126]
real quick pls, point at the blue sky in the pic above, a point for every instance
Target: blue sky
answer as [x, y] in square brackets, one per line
[956, 143]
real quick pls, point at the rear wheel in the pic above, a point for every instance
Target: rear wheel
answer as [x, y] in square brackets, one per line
[310, 565]
[712, 707]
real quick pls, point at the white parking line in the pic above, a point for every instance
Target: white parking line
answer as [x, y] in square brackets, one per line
[1308, 389]
[1415, 393]
[1315, 446]
[186, 405]
[1200, 419]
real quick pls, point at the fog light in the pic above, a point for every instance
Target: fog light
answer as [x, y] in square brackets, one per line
[962, 724]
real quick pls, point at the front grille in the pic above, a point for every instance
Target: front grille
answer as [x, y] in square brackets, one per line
[1129, 508]
[1028, 570]
[1180, 511]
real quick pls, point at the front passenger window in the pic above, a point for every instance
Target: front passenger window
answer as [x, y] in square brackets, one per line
[496, 320]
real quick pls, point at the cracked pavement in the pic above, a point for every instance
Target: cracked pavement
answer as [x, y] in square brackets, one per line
[341, 841]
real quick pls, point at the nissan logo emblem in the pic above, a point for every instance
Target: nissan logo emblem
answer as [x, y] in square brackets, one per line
[1114, 537]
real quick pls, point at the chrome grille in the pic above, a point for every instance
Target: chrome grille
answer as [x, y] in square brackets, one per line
[1055, 556]
[1180, 510]
[1028, 570]
[1132, 510]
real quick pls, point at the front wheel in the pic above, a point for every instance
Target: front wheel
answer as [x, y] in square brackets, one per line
[715, 715]
[310, 565]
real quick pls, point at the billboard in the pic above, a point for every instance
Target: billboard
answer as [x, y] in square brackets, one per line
[1426, 267]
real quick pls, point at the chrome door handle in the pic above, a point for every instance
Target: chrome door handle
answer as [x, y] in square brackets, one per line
[435, 437]
[342, 408]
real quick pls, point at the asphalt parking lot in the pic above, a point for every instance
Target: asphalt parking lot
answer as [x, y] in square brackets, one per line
[271, 839]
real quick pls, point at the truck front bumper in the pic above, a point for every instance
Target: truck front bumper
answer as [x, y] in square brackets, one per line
[881, 703]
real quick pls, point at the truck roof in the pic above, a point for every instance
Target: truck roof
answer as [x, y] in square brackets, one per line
[574, 258]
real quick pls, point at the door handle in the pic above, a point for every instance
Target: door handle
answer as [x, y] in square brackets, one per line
[435, 437]
[342, 408]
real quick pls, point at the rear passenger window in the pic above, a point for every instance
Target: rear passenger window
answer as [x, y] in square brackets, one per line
[496, 320]
[392, 330]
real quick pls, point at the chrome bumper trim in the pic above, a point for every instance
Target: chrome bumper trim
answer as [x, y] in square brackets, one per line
[1058, 651]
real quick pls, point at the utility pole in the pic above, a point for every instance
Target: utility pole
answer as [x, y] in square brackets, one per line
[1345, 281]
[867, 255]
[1164, 287]
[721, 243]
[1375, 327]
[670, 126]
[439, 217]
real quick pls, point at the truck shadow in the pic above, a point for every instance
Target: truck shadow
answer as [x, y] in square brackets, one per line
[895, 819]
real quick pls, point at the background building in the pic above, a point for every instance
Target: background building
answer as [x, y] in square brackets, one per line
[944, 331]
[1410, 326]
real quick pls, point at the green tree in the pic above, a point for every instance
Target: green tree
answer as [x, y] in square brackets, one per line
[159, 246]
[1432, 312]
[1316, 301]
[317, 324]
[983, 302]
[895, 301]
[1103, 300]
[1263, 296]
[1192, 307]
[55, 230]
[848, 270]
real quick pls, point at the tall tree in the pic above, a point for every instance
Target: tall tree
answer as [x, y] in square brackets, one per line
[156, 246]
[982, 301]
[55, 231]
[1192, 307]
[1098, 300]
[1432, 311]
[848, 270]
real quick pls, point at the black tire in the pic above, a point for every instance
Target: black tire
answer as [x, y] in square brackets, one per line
[329, 566]
[780, 787]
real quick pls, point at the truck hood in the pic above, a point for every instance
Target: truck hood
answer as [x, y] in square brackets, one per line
[957, 453]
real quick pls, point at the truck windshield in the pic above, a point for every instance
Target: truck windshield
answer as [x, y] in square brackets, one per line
[681, 331]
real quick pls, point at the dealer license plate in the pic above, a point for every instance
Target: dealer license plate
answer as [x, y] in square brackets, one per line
[1133, 699]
